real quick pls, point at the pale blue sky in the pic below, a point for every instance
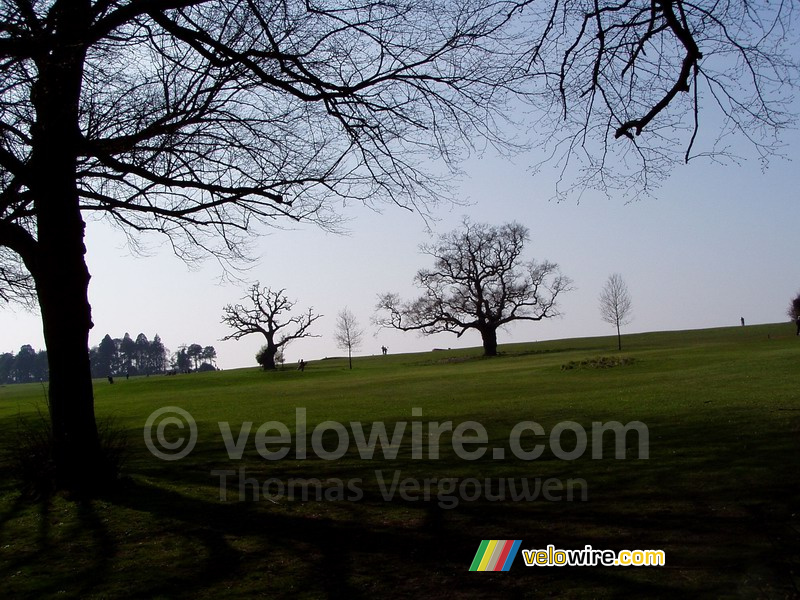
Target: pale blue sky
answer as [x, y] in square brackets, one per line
[715, 244]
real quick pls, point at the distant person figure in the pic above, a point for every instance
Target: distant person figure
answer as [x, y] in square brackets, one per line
[301, 366]
[127, 375]
[742, 321]
[384, 350]
[110, 379]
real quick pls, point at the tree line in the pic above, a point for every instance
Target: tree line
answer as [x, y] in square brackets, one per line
[113, 357]
[126, 356]
[26, 366]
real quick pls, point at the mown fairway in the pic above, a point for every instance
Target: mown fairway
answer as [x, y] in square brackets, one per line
[719, 492]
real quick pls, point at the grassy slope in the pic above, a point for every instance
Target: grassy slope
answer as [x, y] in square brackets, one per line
[719, 492]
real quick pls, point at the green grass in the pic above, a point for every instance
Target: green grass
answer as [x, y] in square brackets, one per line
[719, 492]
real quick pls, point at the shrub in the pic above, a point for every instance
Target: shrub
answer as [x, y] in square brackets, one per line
[601, 362]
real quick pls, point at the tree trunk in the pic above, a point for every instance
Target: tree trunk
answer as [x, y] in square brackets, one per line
[60, 272]
[619, 338]
[350, 357]
[489, 337]
[66, 318]
[268, 363]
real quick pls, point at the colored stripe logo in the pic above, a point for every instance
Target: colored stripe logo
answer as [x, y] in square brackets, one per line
[495, 555]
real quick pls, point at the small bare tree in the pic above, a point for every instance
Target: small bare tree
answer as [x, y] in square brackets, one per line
[262, 316]
[615, 304]
[348, 334]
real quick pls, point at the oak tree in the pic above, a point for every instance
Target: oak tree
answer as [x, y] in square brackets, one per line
[479, 280]
[268, 312]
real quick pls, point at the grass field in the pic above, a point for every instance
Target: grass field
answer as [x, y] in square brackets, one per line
[719, 492]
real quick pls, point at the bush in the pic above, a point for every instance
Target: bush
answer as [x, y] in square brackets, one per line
[602, 362]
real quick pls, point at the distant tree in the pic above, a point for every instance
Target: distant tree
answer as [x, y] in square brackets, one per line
[105, 358]
[158, 355]
[267, 313]
[182, 361]
[6, 367]
[142, 354]
[479, 281]
[127, 351]
[194, 352]
[25, 364]
[209, 355]
[794, 308]
[41, 368]
[348, 334]
[615, 304]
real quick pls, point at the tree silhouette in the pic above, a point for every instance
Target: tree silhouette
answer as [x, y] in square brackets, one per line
[209, 355]
[182, 361]
[198, 119]
[105, 358]
[267, 313]
[794, 308]
[158, 355]
[478, 281]
[615, 304]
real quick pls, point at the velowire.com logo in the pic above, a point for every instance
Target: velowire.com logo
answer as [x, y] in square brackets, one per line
[495, 555]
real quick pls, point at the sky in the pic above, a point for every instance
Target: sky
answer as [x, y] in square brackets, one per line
[715, 243]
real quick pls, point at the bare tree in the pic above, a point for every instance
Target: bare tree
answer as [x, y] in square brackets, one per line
[650, 74]
[267, 313]
[478, 281]
[615, 304]
[199, 119]
[349, 335]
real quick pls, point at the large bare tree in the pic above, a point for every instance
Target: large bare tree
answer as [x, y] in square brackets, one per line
[479, 281]
[268, 312]
[199, 119]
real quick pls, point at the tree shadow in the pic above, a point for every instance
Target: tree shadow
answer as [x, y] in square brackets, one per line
[723, 535]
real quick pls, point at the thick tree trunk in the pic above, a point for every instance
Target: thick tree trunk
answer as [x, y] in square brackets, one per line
[268, 363]
[489, 337]
[60, 273]
[66, 318]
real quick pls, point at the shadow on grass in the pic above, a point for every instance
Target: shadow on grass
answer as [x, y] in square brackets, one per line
[725, 517]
